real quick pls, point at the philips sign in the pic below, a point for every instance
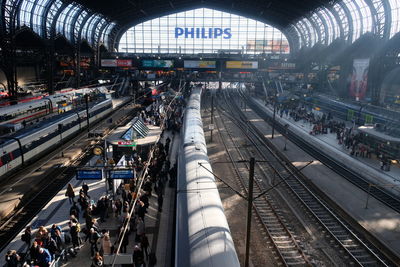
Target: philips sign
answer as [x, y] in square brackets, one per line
[203, 33]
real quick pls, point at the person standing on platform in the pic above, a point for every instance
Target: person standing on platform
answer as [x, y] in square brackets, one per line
[138, 257]
[34, 252]
[73, 231]
[44, 258]
[74, 210]
[93, 237]
[53, 229]
[12, 258]
[70, 194]
[27, 236]
[85, 189]
[106, 244]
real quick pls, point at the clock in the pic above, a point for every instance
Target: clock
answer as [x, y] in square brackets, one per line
[97, 151]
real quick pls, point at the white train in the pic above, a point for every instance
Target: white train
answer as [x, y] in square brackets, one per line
[203, 238]
[13, 117]
[26, 145]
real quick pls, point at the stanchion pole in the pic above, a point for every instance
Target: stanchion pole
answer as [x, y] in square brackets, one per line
[249, 209]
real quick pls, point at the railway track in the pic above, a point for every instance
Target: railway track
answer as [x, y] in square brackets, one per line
[50, 185]
[360, 252]
[380, 194]
[286, 245]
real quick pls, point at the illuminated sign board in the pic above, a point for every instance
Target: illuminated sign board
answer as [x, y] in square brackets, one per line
[127, 143]
[121, 174]
[242, 64]
[116, 63]
[199, 64]
[89, 174]
[157, 63]
[203, 33]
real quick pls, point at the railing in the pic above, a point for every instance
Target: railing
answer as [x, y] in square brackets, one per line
[58, 262]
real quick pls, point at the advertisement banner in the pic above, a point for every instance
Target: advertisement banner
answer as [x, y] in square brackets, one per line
[108, 62]
[116, 63]
[358, 84]
[199, 64]
[124, 63]
[242, 64]
[147, 63]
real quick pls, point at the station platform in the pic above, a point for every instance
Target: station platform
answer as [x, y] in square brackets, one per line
[158, 225]
[370, 168]
[378, 219]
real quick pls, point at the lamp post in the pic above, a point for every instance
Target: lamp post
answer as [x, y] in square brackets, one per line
[60, 126]
[286, 137]
[249, 209]
[273, 116]
[87, 111]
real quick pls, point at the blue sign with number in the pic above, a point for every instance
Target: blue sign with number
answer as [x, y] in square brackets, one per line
[121, 174]
[89, 174]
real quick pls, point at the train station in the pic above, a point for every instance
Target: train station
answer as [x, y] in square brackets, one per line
[187, 133]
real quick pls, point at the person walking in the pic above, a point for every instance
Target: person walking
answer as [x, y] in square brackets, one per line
[70, 194]
[93, 237]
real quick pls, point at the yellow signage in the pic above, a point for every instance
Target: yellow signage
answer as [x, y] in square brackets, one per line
[242, 64]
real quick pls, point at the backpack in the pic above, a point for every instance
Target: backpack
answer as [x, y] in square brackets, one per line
[67, 239]
[24, 237]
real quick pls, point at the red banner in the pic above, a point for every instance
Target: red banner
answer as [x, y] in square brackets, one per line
[358, 85]
[124, 63]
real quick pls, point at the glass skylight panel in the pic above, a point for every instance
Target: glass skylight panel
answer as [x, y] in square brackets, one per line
[203, 30]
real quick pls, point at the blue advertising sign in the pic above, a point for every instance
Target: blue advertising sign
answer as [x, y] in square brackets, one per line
[89, 174]
[203, 33]
[121, 174]
[157, 63]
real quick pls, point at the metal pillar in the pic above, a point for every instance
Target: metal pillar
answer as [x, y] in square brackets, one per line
[212, 116]
[273, 121]
[87, 111]
[50, 66]
[78, 64]
[249, 209]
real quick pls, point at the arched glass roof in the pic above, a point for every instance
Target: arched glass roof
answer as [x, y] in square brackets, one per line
[68, 19]
[346, 19]
[395, 13]
[203, 30]
[332, 26]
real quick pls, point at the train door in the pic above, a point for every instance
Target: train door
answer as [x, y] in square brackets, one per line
[49, 106]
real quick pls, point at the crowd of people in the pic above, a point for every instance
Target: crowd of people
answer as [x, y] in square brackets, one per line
[322, 123]
[128, 207]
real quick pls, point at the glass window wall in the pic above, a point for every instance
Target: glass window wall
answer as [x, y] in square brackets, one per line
[203, 30]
